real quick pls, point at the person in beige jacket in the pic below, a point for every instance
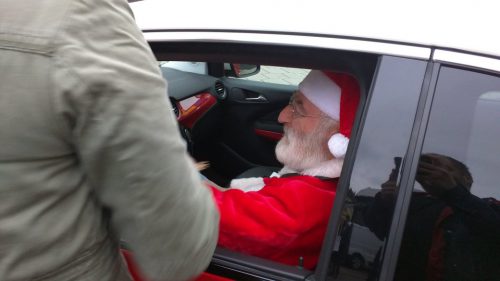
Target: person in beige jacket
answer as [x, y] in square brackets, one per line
[90, 151]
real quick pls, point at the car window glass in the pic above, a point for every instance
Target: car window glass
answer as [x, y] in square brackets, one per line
[279, 75]
[453, 226]
[384, 140]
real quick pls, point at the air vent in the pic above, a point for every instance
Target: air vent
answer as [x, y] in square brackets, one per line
[220, 90]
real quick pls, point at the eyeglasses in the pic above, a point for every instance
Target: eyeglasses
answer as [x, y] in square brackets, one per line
[298, 111]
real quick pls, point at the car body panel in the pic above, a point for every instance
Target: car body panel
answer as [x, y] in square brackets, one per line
[465, 26]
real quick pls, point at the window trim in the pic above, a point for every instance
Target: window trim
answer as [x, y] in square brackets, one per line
[467, 59]
[339, 43]
[408, 173]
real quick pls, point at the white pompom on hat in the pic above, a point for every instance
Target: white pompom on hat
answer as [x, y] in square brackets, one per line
[337, 95]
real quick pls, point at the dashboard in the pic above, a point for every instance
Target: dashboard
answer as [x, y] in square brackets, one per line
[194, 99]
[192, 94]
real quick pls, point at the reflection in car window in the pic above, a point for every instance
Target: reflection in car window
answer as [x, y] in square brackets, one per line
[384, 139]
[279, 75]
[453, 225]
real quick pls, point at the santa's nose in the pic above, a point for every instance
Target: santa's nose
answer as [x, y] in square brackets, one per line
[285, 115]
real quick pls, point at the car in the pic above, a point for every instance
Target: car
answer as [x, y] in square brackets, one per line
[429, 74]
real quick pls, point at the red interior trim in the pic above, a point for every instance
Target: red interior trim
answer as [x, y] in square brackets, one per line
[211, 277]
[192, 108]
[275, 136]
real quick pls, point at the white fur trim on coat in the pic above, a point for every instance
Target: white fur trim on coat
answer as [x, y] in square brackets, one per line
[247, 184]
[329, 169]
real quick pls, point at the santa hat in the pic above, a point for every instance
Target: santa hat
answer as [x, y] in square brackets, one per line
[337, 95]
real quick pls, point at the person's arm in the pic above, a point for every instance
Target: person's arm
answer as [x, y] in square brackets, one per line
[279, 222]
[482, 216]
[378, 214]
[112, 97]
[445, 182]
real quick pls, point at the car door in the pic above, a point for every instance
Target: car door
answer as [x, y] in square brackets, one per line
[382, 132]
[390, 89]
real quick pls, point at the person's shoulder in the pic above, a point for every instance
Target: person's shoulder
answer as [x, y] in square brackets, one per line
[492, 202]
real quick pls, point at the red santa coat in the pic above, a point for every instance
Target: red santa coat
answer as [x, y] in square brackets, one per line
[283, 221]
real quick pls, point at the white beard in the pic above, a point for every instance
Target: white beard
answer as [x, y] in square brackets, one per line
[300, 152]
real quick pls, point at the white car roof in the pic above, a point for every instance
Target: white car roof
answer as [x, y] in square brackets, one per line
[461, 25]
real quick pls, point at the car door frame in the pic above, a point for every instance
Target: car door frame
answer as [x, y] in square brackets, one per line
[256, 268]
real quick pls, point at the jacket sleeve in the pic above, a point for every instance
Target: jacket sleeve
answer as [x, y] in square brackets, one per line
[111, 95]
[480, 215]
[277, 222]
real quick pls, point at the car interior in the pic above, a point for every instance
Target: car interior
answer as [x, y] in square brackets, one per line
[229, 119]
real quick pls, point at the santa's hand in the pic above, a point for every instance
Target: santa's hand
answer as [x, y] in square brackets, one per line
[212, 184]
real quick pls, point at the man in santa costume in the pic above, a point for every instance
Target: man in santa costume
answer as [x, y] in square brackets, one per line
[284, 217]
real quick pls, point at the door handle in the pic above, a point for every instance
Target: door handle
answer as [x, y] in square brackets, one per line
[259, 98]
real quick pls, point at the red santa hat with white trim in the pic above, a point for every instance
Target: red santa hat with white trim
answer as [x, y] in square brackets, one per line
[337, 95]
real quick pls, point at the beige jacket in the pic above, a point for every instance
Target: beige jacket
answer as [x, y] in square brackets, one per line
[86, 130]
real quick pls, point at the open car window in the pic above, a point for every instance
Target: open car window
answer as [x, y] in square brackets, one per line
[279, 75]
[239, 133]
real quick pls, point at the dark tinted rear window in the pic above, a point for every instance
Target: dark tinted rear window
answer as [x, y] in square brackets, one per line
[453, 225]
